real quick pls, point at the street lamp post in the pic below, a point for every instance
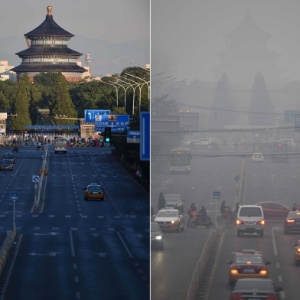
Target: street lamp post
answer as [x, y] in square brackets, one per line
[145, 82]
[117, 90]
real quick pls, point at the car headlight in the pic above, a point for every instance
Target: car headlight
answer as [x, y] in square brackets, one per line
[158, 237]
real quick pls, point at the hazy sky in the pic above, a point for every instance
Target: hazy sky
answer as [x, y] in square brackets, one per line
[112, 21]
[187, 35]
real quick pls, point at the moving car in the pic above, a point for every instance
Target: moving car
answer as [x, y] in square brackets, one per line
[11, 157]
[174, 201]
[255, 289]
[247, 263]
[292, 222]
[157, 241]
[169, 220]
[94, 191]
[250, 219]
[6, 164]
[257, 157]
[274, 210]
[297, 252]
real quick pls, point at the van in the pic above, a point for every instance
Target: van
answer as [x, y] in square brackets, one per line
[250, 220]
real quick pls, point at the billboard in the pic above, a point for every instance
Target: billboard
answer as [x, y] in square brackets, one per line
[118, 123]
[91, 114]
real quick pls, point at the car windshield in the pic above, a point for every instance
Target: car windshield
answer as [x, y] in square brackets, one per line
[250, 212]
[167, 213]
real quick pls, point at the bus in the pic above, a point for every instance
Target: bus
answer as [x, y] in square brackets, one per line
[180, 160]
[60, 144]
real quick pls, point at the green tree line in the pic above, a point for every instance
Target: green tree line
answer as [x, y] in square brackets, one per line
[121, 93]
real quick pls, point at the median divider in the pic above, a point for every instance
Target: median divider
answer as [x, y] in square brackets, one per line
[199, 272]
[38, 185]
[5, 247]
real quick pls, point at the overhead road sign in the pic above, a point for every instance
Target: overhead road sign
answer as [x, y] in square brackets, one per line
[91, 115]
[144, 136]
[118, 123]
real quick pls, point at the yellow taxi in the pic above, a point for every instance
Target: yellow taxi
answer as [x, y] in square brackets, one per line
[94, 191]
[247, 263]
[297, 252]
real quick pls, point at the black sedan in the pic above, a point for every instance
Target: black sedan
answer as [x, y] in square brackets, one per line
[292, 222]
[255, 288]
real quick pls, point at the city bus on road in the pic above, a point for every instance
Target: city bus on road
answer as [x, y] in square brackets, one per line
[60, 144]
[180, 160]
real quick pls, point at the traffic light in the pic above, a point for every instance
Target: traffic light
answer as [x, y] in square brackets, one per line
[107, 134]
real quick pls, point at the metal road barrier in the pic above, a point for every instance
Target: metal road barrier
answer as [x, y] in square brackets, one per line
[4, 250]
[38, 186]
[199, 272]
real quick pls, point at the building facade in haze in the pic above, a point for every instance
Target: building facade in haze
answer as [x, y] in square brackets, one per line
[48, 52]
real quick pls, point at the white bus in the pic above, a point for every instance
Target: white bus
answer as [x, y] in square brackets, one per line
[60, 144]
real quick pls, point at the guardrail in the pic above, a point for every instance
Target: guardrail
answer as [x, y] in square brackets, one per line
[4, 250]
[199, 272]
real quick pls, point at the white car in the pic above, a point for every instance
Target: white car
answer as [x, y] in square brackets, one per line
[169, 220]
[257, 157]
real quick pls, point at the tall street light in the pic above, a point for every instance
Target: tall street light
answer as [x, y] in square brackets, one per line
[145, 82]
[117, 90]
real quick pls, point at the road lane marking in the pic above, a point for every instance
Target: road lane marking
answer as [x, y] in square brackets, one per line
[72, 243]
[125, 246]
[274, 242]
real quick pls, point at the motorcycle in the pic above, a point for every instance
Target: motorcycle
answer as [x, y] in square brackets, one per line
[199, 220]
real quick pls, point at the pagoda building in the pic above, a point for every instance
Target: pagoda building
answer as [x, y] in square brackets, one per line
[247, 53]
[48, 52]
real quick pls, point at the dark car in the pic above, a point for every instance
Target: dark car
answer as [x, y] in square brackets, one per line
[6, 164]
[274, 210]
[157, 241]
[10, 157]
[292, 222]
[255, 288]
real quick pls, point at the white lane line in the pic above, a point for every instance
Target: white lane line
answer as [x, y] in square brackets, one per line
[72, 243]
[274, 243]
[125, 246]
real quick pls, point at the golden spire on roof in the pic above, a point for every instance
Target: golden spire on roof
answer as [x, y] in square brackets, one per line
[49, 10]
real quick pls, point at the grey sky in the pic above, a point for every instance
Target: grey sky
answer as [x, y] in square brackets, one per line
[113, 21]
[187, 35]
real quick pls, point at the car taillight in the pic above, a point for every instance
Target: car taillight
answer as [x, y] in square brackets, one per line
[262, 222]
[239, 222]
[234, 271]
[290, 221]
[263, 272]
[271, 297]
[236, 297]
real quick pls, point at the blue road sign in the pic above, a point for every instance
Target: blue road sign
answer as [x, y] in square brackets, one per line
[35, 178]
[90, 115]
[133, 136]
[216, 195]
[14, 195]
[144, 136]
[116, 122]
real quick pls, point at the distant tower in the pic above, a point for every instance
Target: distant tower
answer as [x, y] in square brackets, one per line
[48, 52]
[87, 57]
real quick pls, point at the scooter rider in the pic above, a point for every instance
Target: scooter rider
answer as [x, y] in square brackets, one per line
[202, 214]
[192, 211]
